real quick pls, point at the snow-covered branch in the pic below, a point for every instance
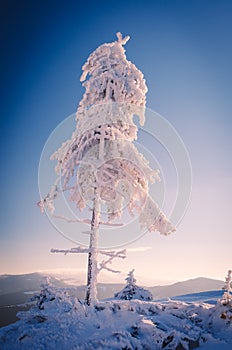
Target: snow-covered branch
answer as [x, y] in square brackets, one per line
[107, 223]
[112, 255]
[72, 250]
[85, 221]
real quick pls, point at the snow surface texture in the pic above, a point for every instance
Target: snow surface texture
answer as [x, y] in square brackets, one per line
[100, 153]
[132, 291]
[59, 321]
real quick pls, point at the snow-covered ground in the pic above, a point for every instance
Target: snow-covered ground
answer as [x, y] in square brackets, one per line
[58, 321]
[210, 297]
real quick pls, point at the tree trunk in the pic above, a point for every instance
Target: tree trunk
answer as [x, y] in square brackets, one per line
[91, 292]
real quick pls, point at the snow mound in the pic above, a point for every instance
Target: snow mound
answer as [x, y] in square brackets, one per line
[59, 321]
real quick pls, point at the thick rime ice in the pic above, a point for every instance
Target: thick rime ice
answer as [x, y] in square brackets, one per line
[112, 78]
[60, 321]
[132, 291]
[99, 154]
[100, 163]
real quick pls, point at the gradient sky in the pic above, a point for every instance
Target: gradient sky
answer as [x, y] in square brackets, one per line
[184, 50]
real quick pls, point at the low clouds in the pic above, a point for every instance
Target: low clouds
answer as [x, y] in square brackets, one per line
[138, 249]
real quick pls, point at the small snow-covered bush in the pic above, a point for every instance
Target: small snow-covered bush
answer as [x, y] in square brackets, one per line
[49, 302]
[50, 293]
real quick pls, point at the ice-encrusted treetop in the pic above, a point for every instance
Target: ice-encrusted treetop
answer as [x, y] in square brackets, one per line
[131, 278]
[101, 154]
[109, 77]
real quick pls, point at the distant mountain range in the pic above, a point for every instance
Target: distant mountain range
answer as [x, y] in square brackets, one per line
[24, 283]
[196, 285]
[17, 289]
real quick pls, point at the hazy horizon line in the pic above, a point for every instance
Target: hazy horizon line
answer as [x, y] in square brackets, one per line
[68, 271]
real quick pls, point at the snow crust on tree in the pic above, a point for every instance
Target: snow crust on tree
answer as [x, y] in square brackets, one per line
[100, 153]
[112, 78]
[132, 291]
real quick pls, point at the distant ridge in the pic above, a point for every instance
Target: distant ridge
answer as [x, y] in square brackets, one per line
[25, 282]
[32, 282]
[195, 285]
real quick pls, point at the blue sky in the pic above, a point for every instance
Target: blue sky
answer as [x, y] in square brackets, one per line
[184, 50]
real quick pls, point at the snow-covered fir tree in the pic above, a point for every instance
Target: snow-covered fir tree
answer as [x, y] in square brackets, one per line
[100, 164]
[227, 296]
[228, 282]
[132, 291]
[49, 293]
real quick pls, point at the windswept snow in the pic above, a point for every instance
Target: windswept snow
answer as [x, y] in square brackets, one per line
[59, 321]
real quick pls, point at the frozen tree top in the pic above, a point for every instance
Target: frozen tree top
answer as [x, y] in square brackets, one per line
[131, 278]
[109, 77]
[100, 153]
